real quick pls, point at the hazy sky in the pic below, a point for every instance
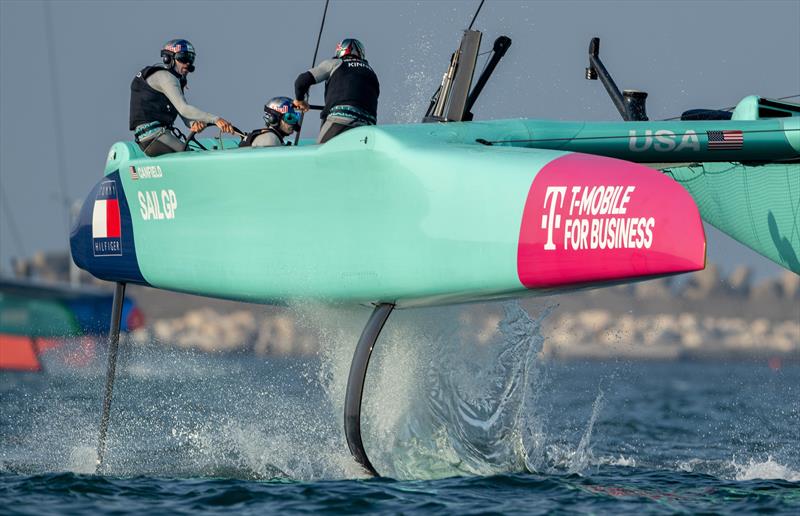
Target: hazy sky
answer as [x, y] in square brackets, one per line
[64, 96]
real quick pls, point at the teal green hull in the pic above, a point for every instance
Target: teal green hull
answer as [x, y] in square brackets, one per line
[354, 215]
[427, 214]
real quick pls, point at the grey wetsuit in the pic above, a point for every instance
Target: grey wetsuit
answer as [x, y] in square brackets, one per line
[267, 139]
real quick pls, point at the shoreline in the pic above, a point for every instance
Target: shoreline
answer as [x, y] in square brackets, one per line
[587, 334]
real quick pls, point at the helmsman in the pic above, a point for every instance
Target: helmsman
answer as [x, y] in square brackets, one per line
[157, 99]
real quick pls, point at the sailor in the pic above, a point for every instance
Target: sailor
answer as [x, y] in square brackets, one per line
[351, 90]
[281, 119]
[157, 99]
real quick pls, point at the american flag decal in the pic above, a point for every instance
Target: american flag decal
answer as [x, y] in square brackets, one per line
[725, 140]
[134, 175]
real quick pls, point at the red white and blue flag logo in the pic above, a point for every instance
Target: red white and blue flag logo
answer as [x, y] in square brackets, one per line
[106, 228]
[725, 140]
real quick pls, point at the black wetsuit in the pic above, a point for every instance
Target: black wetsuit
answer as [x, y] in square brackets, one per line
[351, 94]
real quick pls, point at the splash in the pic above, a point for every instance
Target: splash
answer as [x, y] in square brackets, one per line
[444, 396]
[582, 457]
[420, 76]
[439, 400]
[82, 459]
[448, 405]
[768, 469]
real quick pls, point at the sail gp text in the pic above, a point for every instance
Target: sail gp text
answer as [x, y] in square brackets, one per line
[155, 205]
[596, 219]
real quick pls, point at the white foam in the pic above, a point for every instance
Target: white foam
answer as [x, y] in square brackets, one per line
[82, 459]
[621, 461]
[768, 469]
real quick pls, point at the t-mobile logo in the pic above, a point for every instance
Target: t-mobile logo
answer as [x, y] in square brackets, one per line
[554, 195]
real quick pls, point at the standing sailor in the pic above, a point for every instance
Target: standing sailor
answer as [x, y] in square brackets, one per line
[351, 90]
[281, 119]
[157, 99]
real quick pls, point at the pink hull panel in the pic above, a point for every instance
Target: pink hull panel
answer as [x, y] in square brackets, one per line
[590, 218]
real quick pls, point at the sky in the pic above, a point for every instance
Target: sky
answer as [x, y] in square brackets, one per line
[65, 84]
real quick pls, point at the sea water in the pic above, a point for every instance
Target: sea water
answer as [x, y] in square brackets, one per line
[457, 423]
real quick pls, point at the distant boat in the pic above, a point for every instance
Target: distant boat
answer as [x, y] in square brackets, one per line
[36, 316]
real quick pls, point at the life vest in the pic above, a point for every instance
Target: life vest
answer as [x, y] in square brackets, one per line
[353, 83]
[149, 105]
[250, 138]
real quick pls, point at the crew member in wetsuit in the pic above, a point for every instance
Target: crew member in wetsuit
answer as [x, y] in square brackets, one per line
[351, 90]
[282, 120]
[157, 99]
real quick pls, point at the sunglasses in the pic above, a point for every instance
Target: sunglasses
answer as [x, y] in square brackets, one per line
[185, 58]
[291, 118]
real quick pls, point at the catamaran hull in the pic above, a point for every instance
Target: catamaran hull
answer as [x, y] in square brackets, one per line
[369, 218]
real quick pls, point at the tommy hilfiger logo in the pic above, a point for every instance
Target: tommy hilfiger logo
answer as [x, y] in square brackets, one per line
[106, 226]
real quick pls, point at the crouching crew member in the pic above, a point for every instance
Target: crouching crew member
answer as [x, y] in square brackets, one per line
[281, 119]
[157, 99]
[351, 90]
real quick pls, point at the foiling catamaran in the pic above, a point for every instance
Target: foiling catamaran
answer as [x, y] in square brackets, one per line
[449, 210]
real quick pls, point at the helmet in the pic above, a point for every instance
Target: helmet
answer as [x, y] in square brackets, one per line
[178, 50]
[281, 108]
[350, 47]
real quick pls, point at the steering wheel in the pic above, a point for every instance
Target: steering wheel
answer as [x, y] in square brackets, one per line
[191, 137]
